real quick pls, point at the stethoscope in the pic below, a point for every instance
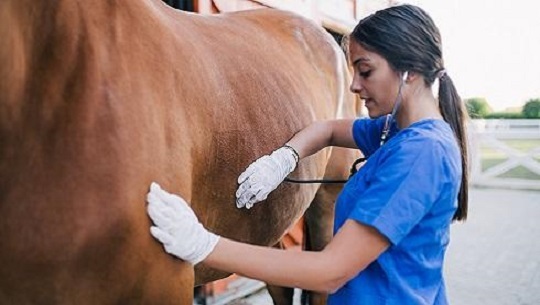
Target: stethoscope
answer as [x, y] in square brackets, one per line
[384, 136]
[397, 103]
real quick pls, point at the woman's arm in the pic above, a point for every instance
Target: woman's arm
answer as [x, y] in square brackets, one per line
[176, 226]
[322, 134]
[352, 249]
[266, 173]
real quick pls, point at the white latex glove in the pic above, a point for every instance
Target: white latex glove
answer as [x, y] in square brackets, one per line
[176, 226]
[264, 175]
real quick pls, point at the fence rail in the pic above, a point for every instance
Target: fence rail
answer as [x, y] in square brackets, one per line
[501, 147]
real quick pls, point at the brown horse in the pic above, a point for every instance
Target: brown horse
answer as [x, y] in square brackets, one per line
[99, 98]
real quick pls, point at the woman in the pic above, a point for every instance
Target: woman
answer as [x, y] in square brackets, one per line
[393, 216]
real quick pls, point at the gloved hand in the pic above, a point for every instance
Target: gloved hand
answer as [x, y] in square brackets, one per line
[264, 175]
[176, 226]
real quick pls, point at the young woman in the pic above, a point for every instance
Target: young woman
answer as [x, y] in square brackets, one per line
[393, 216]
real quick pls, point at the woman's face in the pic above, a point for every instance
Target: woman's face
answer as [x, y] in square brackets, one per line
[374, 80]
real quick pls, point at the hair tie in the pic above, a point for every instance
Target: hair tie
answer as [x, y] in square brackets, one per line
[441, 73]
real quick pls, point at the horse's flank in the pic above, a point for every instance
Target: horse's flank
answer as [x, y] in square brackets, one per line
[99, 98]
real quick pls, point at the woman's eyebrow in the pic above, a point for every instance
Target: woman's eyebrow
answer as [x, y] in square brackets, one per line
[360, 60]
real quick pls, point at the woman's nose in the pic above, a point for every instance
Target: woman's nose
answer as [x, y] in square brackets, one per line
[355, 87]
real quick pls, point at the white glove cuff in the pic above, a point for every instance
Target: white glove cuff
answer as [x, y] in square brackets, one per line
[203, 248]
[288, 160]
[295, 153]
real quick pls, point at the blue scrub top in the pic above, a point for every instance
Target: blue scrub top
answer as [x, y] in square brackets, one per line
[408, 191]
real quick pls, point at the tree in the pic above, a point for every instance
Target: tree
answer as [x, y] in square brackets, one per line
[531, 110]
[477, 107]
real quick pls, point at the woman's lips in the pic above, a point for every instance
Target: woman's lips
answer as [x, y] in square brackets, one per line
[368, 101]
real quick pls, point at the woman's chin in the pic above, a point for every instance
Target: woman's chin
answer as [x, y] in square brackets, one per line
[373, 113]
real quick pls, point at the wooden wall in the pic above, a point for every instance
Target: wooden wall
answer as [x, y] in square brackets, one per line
[339, 16]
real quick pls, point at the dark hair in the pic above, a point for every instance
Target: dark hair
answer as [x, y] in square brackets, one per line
[407, 37]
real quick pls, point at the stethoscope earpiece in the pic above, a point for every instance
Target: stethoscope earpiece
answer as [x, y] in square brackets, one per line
[405, 75]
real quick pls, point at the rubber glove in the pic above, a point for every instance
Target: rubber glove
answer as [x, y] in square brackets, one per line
[176, 226]
[264, 175]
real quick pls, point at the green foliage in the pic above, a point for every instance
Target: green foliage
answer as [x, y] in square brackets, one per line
[477, 107]
[531, 110]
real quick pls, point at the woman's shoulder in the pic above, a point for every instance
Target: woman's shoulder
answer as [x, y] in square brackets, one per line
[430, 132]
[426, 137]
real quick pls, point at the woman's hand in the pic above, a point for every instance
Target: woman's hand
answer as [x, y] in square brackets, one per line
[176, 226]
[264, 175]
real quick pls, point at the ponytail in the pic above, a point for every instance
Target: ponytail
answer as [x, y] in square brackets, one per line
[454, 113]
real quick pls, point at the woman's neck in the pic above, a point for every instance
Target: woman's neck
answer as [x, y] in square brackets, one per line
[418, 104]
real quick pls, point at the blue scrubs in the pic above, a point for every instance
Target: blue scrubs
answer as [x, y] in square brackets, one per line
[407, 190]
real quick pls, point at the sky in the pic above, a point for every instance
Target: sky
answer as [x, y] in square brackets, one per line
[491, 49]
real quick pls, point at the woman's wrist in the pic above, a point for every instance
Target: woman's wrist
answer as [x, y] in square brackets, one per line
[294, 152]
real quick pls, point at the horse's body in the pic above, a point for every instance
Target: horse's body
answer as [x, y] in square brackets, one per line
[99, 98]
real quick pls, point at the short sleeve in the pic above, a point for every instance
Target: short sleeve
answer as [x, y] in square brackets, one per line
[367, 133]
[408, 180]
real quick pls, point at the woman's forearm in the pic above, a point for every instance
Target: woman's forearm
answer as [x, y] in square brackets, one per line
[322, 134]
[301, 269]
[351, 250]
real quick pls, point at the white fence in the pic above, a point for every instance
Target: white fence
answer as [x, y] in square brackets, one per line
[511, 146]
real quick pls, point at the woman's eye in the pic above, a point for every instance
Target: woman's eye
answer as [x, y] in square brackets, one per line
[365, 74]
